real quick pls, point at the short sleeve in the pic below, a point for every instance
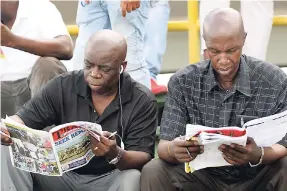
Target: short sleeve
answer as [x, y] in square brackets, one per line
[174, 117]
[50, 20]
[141, 133]
[42, 109]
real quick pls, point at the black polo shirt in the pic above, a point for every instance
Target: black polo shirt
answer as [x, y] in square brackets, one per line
[67, 98]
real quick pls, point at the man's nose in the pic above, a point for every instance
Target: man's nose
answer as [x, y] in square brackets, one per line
[95, 72]
[223, 58]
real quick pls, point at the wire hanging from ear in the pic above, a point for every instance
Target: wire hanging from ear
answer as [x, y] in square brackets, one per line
[121, 108]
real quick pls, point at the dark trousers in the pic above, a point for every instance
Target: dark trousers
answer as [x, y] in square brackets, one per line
[14, 94]
[158, 175]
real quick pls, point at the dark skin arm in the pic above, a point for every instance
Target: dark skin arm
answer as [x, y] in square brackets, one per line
[60, 47]
[239, 155]
[108, 148]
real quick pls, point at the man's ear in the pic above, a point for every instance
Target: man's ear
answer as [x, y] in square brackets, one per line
[244, 38]
[203, 36]
[124, 64]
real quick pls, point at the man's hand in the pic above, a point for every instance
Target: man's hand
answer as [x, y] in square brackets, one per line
[7, 37]
[5, 140]
[129, 5]
[183, 150]
[240, 155]
[106, 147]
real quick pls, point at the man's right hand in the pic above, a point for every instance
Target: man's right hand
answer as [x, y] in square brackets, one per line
[5, 140]
[129, 5]
[179, 148]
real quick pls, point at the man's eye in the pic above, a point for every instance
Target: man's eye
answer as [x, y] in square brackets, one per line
[105, 69]
[88, 66]
[214, 51]
[231, 51]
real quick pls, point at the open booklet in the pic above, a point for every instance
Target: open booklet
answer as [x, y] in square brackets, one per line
[265, 131]
[63, 148]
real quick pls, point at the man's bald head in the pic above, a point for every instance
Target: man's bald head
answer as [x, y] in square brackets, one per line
[224, 36]
[108, 43]
[104, 59]
[223, 22]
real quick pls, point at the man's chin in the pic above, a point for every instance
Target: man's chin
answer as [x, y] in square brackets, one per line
[95, 88]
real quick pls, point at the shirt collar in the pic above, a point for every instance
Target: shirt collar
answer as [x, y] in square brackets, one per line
[242, 79]
[84, 90]
[211, 80]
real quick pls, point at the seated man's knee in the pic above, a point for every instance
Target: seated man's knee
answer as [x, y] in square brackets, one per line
[48, 66]
[45, 69]
[132, 173]
[152, 169]
[130, 180]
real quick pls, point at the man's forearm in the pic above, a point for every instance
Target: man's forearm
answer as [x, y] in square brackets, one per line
[274, 153]
[60, 47]
[133, 160]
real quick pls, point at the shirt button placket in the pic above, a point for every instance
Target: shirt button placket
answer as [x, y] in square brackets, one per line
[221, 114]
[95, 116]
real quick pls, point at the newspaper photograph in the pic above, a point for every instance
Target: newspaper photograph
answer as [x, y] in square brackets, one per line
[72, 145]
[32, 150]
[63, 148]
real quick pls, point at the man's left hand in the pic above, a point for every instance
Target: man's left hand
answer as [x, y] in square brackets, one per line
[106, 147]
[129, 5]
[7, 37]
[239, 155]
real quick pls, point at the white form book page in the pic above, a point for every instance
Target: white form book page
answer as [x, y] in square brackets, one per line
[265, 131]
[211, 157]
[268, 130]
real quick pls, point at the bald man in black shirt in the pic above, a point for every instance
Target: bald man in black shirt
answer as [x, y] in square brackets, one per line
[102, 93]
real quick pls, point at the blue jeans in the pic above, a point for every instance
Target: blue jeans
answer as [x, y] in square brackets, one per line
[106, 14]
[156, 34]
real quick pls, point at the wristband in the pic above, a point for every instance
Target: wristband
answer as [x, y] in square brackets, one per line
[260, 160]
[118, 157]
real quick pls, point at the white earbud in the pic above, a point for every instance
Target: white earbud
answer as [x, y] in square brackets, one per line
[122, 69]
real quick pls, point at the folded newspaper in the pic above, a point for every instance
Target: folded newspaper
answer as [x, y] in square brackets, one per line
[63, 148]
[265, 131]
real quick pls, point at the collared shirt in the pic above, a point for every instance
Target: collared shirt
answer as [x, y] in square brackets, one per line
[37, 20]
[195, 96]
[67, 98]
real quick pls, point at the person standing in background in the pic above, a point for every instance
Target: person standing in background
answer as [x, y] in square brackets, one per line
[155, 41]
[258, 18]
[125, 17]
[34, 39]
